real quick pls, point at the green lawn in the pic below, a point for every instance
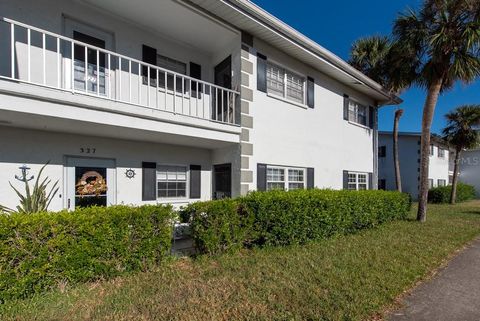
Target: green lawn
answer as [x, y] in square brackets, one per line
[346, 278]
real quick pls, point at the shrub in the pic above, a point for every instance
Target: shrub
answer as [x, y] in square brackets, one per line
[40, 251]
[218, 226]
[295, 217]
[442, 194]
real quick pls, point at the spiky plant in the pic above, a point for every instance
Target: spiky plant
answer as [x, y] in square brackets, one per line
[35, 199]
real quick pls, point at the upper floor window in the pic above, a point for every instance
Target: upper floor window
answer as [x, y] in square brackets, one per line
[432, 150]
[441, 152]
[285, 178]
[357, 113]
[286, 84]
[357, 181]
[171, 181]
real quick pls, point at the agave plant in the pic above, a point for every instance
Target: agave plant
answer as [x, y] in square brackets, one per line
[36, 199]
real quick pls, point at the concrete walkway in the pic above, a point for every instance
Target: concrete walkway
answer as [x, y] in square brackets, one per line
[453, 294]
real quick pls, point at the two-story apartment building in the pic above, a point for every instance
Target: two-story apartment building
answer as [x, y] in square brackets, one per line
[409, 158]
[146, 101]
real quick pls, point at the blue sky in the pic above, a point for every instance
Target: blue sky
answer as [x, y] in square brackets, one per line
[337, 24]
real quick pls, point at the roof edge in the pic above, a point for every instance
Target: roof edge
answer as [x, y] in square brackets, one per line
[307, 43]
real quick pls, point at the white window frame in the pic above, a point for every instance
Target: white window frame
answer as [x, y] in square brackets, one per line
[187, 181]
[356, 181]
[431, 183]
[353, 110]
[286, 179]
[284, 94]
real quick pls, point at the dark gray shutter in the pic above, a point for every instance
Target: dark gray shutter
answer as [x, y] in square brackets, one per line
[196, 72]
[371, 114]
[310, 92]
[195, 181]
[345, 107]
[261, 72]
[149, 181]
[370, 181]
[310, 178]
[149, 55]
[261, 177]
[345, 179]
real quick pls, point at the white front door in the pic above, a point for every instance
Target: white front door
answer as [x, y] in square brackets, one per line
[90, 182]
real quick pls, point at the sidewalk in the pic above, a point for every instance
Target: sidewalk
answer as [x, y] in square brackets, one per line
[453, 294]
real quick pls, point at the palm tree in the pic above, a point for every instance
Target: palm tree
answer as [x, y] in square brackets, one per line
[440, 45]
[376, 56]
[396, 162]
[461, 133]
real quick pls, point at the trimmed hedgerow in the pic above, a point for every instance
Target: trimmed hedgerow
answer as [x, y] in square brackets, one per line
[441, 194]
[218, 226]
[295, 217]
[41, 251]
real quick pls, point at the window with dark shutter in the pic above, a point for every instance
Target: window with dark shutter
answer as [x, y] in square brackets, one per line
[149, 181]
[310, 178]
[310, 92]
[261, 73]
[195, 181]
[346, 104]
[261, 177]
[371, 113]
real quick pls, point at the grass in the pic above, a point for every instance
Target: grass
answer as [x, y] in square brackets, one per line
[350, 277]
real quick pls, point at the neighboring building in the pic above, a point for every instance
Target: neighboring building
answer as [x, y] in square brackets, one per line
[469, 171]
[409, 157]
[145, 101]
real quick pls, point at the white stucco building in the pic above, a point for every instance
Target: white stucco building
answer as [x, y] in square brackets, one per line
[147, 101]
[409, 158]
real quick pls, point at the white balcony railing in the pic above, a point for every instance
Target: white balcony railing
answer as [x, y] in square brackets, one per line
[47, 59]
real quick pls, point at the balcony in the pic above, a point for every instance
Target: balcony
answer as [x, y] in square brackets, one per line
[45, 59]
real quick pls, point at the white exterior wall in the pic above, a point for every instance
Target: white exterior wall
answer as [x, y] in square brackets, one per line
[287, 134]
[409, 155]
[470, 169]
[35, 148]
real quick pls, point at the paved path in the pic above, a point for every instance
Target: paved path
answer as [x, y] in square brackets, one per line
[453, 294]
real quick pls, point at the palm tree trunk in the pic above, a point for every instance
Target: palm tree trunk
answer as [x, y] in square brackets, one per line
[428, 111]
[453, 195]
[396, 161]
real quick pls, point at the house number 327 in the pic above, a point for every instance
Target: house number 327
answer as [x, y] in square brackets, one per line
[87, 150]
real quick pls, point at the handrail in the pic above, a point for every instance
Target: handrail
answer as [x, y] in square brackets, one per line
[106, 51]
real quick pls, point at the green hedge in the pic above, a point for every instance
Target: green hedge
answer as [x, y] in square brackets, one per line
[283, 218]
[442, 194]
[41, 251]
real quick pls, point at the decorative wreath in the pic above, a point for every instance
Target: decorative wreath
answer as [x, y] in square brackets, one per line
[91, 183]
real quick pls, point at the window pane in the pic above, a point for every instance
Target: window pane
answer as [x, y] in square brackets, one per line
[362, 186]
[171, 181]
[292, 186]
[272, 186]
[352, 186]
[275, 79]
[295, 87]
[295, 175]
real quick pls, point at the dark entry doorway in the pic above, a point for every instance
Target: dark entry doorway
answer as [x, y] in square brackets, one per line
[222, 181]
